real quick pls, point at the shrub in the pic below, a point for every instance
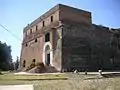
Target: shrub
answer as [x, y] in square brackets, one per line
[31, 66]
[27, 68]
[40, 65]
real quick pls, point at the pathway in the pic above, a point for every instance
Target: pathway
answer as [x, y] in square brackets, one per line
[17, 87]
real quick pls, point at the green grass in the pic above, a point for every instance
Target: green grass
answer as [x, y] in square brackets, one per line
[66, 81]
[32, 77]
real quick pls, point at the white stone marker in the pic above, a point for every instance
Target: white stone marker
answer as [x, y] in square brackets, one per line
[100, 72]
[16, 87]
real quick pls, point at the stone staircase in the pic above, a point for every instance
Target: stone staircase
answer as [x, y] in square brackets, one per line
[50, 69]
[46, 69]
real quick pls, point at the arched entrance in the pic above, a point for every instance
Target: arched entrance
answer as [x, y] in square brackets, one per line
[47, 54]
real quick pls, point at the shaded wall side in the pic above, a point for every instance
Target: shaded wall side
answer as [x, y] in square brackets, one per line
[77, 46]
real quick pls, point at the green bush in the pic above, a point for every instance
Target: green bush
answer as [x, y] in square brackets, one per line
[40, 65]
[28, 68]
[32, 65]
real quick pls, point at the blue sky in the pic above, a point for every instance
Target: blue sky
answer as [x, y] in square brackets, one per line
[16, 14]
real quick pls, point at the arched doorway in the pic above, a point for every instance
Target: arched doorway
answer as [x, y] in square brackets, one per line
[47, 54]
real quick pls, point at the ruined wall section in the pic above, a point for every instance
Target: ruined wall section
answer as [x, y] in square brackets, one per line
[76, 45]
[74, 52]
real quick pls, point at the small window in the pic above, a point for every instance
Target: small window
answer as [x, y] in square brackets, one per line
[26, 44]
[51, 18]
[43, 23]
[34, 60]
[36, 27]
[47, 37]
[30, 30]
[26, 34]
[24, 63]
[36, 40]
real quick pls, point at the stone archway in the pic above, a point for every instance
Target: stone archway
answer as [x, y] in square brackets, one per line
[47, 54]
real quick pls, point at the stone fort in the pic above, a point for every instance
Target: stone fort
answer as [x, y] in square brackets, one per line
[65, 38]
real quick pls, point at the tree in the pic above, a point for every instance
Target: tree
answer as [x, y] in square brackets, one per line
[5, 56]
[12, 66]
[17, 63]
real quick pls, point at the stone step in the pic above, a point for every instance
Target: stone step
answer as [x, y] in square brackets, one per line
[47, 69]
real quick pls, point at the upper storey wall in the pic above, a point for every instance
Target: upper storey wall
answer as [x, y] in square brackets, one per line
[73, 14]
[58, 13]
[47, 22]
[45, 18]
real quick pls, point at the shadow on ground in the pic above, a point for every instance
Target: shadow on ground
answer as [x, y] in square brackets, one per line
[43, 79]
[111, 75]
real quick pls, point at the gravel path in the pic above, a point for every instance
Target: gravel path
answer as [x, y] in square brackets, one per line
[17, 87]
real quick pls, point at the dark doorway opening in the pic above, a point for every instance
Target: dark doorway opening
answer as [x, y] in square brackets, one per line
[24, 63]
[48, 59]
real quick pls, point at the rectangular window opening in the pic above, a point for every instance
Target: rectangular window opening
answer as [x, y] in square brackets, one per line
[47, 37]
[26, 45]
[43, 23]
[30, 30]
[36, 40]
[51, 18]
[36, 27]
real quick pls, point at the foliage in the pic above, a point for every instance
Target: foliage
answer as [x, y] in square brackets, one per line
[32, 65]
[12, 66]
[40, 65]
[5, 56]
[17, 63]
